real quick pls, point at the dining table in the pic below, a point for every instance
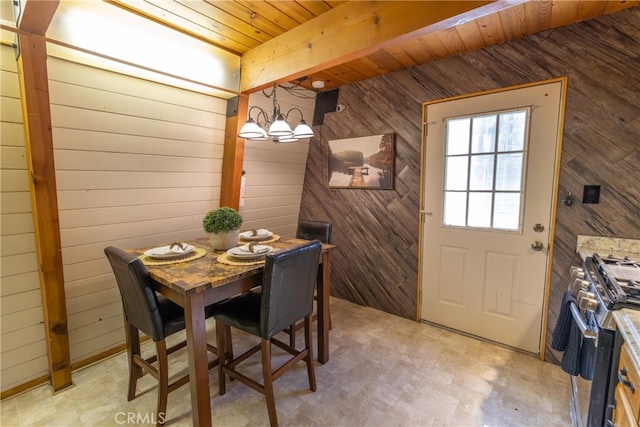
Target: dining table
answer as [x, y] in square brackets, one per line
[206, 276]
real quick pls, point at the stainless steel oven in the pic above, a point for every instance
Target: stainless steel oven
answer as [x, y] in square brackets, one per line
[586, 332]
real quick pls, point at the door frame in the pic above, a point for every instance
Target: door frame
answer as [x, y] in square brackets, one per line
[554, 201]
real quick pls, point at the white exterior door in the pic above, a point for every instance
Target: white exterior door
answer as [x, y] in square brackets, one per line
[489, 182]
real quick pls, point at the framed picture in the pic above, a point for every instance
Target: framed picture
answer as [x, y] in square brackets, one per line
[365, 162]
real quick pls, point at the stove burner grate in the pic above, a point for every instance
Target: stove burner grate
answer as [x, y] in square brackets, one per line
[620, 277]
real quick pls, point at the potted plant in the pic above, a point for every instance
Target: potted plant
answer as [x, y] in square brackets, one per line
[222, 225]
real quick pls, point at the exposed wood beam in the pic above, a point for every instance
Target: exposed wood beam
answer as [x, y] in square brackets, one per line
[34, 89]
[350, 31]
[37, 15]
[233, 155]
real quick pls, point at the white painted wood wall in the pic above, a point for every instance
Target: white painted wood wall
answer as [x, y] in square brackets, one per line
[23, 354]
[137, 164]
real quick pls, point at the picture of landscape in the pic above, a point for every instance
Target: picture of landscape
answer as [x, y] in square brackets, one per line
[364, 162]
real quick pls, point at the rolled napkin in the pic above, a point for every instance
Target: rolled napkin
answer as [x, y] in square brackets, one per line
[261, 232]
[254, 248]
[177, 248]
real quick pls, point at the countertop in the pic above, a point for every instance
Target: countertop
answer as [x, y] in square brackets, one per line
[604, 246]
[628, 323]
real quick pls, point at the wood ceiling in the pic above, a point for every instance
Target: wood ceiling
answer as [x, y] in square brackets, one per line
[341, 42]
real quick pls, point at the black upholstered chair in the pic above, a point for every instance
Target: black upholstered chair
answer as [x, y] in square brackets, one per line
[154, 315]
[311, 230]
[314, 230]
[286, 295]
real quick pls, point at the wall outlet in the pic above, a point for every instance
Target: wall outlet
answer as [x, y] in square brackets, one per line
[591, 194]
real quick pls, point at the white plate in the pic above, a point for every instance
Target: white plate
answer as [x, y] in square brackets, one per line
[165, 252]
[242, 253]
[262, 235]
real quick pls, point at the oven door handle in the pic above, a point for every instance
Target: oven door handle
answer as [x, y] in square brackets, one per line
[582, 325]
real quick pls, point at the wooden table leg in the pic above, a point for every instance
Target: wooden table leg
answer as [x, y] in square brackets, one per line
[323, 310]
[198, 362]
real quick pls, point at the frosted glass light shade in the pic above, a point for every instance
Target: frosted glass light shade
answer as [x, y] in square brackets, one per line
[285, 139]
[302, 130]
[251, 130]
[280, 127]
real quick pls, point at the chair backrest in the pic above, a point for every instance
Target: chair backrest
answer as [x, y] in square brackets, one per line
[139, 299]
[314, 230]
[288, 284]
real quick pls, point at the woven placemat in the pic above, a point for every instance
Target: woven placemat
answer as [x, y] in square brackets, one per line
[273, 238]
[226, 259]
[197, 253]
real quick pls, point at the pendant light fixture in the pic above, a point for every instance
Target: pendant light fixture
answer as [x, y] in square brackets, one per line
[277, 128]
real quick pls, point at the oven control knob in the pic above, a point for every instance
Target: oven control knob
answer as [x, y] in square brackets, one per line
[576, 273]
[580, 285]
[587, 301]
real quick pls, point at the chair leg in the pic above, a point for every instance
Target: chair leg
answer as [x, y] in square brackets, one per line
[163, 381]
[308, 343]
[292, 335]
[268, 382]
[133, 349]
[223, 334]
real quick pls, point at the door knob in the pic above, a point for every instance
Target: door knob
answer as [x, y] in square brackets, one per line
[537, 245]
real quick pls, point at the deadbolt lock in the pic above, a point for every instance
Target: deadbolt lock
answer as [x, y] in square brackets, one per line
[538, 228]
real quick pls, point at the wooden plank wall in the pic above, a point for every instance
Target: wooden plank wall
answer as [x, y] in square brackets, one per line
[23, 356]
[274, 173]
[137, 163]
[377, 231]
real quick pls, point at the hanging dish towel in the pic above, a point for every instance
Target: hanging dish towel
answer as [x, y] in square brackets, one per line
[564, 323]
[567, 337]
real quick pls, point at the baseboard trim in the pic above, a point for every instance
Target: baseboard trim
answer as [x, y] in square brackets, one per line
[36, 382]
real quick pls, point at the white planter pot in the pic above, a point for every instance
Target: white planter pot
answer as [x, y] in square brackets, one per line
[224, 240]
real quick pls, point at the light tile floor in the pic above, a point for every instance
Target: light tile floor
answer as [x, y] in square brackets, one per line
[383, 371]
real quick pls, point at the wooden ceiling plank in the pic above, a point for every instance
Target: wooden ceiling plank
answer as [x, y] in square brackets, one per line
[409, 54]
[347, 72]
[590, 9]
[195, 27]
[239, 11]
[514, 22]
[424, 46]
[538, 15]
[329, 77]
[491, 29]
[267, 11]
[451, 41]
[470, 35]
[334, 3]
[361, 28]
[316, 7]
[434, 45]
[223, 23]
[615, 6]
[293, 10]
[563, 11]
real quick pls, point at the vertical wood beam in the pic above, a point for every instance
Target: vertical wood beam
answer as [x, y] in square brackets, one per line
[233, 155]
[34, 90]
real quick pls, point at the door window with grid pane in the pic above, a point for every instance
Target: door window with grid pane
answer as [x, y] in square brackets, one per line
[484, 170]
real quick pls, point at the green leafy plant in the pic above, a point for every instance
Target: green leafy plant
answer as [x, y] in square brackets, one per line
[221, 219]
